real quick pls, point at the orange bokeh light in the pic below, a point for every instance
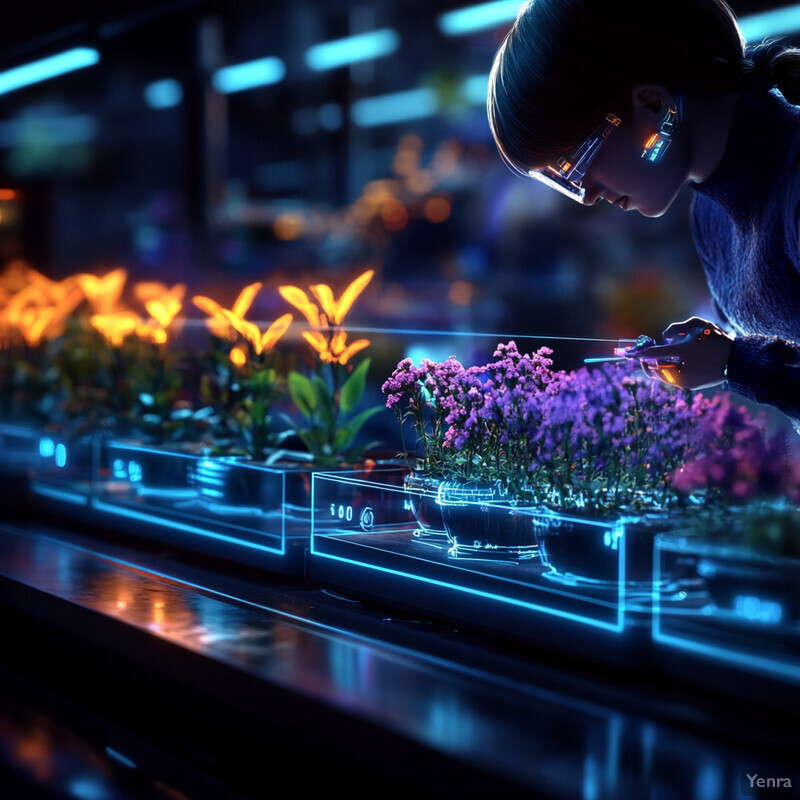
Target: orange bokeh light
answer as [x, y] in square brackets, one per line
[394, 215]
[437, 209]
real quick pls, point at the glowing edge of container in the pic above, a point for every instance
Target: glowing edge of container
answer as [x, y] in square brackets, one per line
[748, 661]
[618, 627]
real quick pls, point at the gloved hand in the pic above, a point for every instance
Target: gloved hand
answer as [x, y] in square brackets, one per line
[695, 355]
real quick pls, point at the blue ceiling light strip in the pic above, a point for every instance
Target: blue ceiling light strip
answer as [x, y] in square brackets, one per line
[475, 89]
[47, 68]
[352, 49]
[778, 22]
[398, 107]
[482, 17]
[165, 93]
[249, 75]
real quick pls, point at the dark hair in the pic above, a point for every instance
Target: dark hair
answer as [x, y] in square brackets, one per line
[566, 64]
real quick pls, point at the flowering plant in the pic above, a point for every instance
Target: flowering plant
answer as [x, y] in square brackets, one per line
[246, 380]
[83, 362]
[473, 423]
[328, 401]
[34, 316]
[146, 379]
[603, 436]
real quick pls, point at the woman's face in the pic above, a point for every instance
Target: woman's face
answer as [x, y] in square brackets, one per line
[620, 175]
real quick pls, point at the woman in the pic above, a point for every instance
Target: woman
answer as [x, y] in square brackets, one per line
[607, 99]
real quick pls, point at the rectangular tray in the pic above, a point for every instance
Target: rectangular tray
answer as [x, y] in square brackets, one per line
[366, 540]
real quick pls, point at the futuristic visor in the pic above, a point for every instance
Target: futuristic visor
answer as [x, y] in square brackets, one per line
[567, 175]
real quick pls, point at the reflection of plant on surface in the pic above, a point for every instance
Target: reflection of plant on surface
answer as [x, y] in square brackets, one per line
[605, 436]
[245, 380]
[328, 400]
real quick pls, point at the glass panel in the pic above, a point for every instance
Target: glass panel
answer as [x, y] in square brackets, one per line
[226, 499]
[469, 541]
[730, 602]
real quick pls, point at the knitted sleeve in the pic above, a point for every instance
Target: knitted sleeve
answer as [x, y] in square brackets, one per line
[766, 369]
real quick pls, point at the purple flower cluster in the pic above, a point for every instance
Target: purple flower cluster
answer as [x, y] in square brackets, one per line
[469, 419]
[402, 384]
[604, 434]
[736, 460]
[607, 431]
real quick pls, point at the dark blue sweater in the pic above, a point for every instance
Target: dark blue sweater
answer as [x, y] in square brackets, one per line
[746, 225]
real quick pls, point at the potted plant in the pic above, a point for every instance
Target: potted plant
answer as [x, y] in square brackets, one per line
[743, 546]
[580, 462]
[249, 381]
[472, 425]
[328, 396]
[154, 409]
[412, 401]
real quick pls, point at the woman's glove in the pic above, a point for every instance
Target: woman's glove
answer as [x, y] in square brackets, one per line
[695, 355]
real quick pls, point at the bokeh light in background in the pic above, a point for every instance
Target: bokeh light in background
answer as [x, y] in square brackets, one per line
[215, 143]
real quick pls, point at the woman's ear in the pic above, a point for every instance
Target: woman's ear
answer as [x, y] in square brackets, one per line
[650, 99]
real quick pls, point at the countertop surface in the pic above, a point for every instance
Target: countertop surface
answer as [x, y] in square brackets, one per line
[478, 706]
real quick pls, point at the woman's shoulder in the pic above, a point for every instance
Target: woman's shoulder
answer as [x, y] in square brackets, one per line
[711, 228]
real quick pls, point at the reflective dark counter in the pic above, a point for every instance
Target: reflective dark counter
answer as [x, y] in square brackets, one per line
[183, 677]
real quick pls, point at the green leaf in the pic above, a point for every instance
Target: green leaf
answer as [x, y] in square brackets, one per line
[263, 379]
[346, 434]
[302, 393]
[326, 403]
[353, 387]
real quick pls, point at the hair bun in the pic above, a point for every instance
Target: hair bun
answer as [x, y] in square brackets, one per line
[757, 71]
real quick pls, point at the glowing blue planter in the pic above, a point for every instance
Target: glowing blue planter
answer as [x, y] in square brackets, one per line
[422, 492]
[364, 540]
[19, 447]
[229, 507]
[740, 609]
[482, 521]
[63, 471]
[57, 469]
[19, 453]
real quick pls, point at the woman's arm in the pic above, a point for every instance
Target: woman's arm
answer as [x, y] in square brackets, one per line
[698, 354]
[766, 369]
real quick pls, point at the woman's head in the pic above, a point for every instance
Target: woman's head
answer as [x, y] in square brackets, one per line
[566, 64]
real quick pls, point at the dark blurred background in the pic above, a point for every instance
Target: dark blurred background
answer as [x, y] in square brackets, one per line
[155, 159]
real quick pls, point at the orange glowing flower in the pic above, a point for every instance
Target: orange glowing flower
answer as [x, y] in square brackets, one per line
[262, 343]
[41, 307]
[151, 290]
[299, 299]
[220, 324]
[238, 356]
[115, 327]
[152, 333]
[331, 347]
[162, 304]
[103, 293]
[334, 312]
[164, 309]
[336, 350]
